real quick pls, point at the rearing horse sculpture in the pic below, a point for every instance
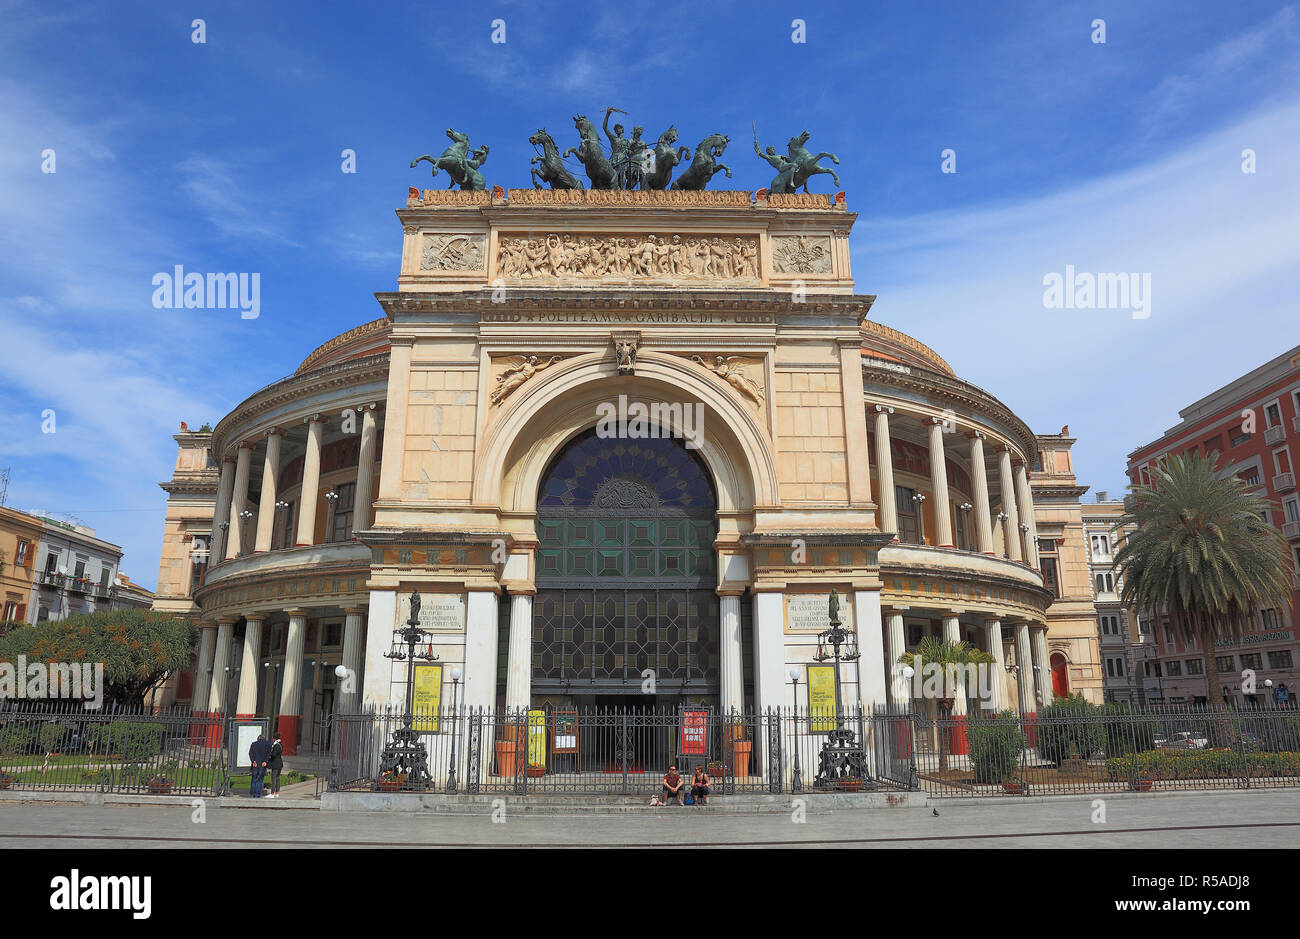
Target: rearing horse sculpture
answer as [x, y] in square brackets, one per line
[807, 163]
[457, 161]
[704, 165]
[666, 157]
[552, 169]
[599, 170]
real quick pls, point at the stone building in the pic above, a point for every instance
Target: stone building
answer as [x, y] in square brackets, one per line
[608, 434]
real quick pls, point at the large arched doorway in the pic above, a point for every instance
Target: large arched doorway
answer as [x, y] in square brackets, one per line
[1060, 676]
[626, 578]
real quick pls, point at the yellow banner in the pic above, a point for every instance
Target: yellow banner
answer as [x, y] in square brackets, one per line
[428, 697]
[537, 738]
[821, 698]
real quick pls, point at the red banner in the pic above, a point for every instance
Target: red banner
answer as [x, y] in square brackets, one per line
[695, 732]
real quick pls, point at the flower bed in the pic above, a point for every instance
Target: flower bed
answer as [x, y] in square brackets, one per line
[1200, 764]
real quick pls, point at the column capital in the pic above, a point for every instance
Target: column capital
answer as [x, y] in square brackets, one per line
[976, 435]
[275, 432]
[990, 619]
[227, 620]
[317, 418]
[255, 617]
[884, 409]
[367, 406]
[246, 445]
[890, 609]
[731, 591]
[354, 611]
[935, 420]
[296, 611]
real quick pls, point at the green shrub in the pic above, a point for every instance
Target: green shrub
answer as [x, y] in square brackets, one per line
[1068, 727]
[995, 745]
[1201, 764]
[50, 735]
[131, 741]
[17, 739]
[1126, 732]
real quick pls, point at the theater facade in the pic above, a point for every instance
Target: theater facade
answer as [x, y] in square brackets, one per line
[624, 444]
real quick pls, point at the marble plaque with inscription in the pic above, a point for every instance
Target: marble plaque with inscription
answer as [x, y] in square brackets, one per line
[811, 612]
[439, 612]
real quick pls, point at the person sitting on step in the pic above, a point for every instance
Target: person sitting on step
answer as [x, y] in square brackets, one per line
[674, 786]
[700, 786]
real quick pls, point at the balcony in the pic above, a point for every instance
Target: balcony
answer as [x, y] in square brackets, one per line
[1275, 434]
[1295, 423]
[51, 580]
[1291, 531]
[1284, 482]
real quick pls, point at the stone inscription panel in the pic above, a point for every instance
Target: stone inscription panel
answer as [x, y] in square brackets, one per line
[811, 612]
[439, 612]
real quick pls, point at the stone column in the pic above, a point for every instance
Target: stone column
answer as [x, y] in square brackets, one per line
[1009, 504]
[888, 517]
[731, 673]
[348, 697]
[310, 490]
[203, 668]
[1024, 670]
[220, 662]
[855, 421]
[1044, 669]
[270, 485]
[479, 688]
[519, 653]
[225, 487]
[952, 633]
[872, 688]
[993, 631]
[895, 645]
[381, 620]
[1025, 499]
[290, 723]
[365, 469]
[770, 683]
[939, 481]
[239, 501]
[980, 483]
[250, 669]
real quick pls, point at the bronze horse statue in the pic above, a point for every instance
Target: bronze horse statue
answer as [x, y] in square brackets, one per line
[461, 167]
[665, 158]
[599, 170]
[807, 163]
[552, 169]
[704, 165]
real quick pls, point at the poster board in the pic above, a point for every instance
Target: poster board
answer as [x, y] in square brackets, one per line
[693, 732]
[428, 696]
[821, 698]
[536, 737]
[243, 733]
[564, 732]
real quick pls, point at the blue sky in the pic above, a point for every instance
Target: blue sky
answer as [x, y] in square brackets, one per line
[225, 156]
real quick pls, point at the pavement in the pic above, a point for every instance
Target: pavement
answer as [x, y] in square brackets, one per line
[1225, 819]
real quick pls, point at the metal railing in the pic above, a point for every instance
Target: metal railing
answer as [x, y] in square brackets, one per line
[62, 746]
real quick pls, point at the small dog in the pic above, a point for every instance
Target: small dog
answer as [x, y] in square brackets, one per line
[654, 801]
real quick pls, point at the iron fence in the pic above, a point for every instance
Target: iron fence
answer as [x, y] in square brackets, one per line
[617, 751]
[62, 746]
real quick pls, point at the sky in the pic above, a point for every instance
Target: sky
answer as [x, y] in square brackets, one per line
[227, 155]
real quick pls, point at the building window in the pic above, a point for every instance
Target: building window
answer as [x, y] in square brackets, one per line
[1291, 510]
[1225, 663]
[42, 614]
[1239, 439]
[1105, 582]
[1249, 477]
[333, 635]
[22, 557]
[1280, 658]
[1195, 667]
[1251, 660]
[342, 529]
[1144, 625]
[1110, 625]
[1115, 668]
[80, 570]
[1100, 546]
[907, 513]
[11, 611]
[1050, 579]
[1272, 415]
[1175, 669]
[51, 562]
[1270, 619]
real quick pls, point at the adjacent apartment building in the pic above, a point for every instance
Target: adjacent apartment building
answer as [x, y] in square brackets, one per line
[1252, 424]
[1123, 644]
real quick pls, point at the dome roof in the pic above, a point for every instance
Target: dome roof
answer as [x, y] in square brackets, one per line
[366, 339]
[881, 342]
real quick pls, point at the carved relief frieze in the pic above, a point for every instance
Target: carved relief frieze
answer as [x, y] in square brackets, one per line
[801, 254]
[659, 256]
[743, 373]
[515, 371]
[454, 252]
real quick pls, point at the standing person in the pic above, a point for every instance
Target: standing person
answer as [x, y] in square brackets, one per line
[275, 762]
[700, 786]
[258, 754]
[674, 786]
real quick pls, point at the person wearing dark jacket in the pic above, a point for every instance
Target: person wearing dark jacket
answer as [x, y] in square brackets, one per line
[259, 754]
[275, 763]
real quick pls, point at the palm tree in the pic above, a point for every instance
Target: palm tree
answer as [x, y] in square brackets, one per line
[944, 653]
[1201, 553]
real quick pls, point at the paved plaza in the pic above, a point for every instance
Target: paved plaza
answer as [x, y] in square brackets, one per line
[1201, 820]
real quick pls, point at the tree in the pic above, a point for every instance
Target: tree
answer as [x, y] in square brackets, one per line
[1201, 553]
[950, 658]
[138, 648]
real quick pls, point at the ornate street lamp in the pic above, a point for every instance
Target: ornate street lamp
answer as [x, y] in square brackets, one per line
[455, 684]
[332, 498]
[224, 525]
[280, 506]
[406, 752]
[244, 518]
[1006, 543]
[797, 784]
[841, 756]
[919, 499]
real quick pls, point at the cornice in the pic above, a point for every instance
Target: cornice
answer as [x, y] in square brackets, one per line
[294, 387]
[976, 399]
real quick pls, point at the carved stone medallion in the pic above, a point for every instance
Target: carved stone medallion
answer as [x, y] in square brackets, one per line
[801, 254]
[454, 253]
